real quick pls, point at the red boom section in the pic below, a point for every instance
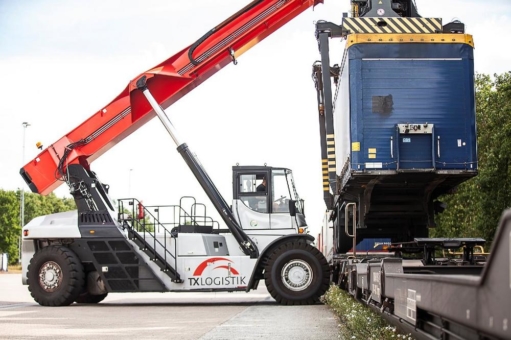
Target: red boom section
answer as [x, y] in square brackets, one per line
[168, 81]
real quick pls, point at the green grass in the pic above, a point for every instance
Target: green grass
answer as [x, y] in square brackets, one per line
[357, 321]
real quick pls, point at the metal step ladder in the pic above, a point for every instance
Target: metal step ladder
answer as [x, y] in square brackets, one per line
[153, 254]
[150, 234]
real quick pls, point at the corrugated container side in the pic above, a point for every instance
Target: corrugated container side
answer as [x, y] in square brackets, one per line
[391, 84]
[341, 118]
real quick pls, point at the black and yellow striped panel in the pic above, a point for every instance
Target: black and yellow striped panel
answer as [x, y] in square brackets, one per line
[392, 25]
[330, 148]
[324, 171]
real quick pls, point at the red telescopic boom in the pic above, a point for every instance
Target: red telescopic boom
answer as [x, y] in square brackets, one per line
[169, 81]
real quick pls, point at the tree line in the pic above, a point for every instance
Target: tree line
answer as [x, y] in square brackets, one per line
[10, 218]
[472, 211]
[475, 208]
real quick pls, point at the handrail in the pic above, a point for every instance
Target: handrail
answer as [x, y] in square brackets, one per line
[183, 217]
[353, 207]
[136, 223]
[177, 212]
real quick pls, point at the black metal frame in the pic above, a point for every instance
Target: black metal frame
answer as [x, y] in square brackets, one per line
[118, 264]
[325, 31]
[255, 170]
[455, 300]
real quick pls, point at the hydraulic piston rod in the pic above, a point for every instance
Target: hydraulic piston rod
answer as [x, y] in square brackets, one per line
[246, 244]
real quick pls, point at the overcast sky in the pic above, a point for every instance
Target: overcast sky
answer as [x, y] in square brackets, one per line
[61, 61]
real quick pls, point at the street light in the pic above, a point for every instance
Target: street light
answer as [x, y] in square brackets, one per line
[22, 208]
[22, 203]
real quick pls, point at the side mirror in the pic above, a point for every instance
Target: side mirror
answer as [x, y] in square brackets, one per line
[292, 207]
[303, 206]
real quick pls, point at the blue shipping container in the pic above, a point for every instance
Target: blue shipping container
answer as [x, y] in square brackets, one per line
[410, 107]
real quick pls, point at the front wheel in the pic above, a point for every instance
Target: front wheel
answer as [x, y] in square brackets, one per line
[297, 274]
[55, 276]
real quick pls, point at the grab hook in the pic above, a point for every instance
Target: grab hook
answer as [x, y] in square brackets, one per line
[231, 52]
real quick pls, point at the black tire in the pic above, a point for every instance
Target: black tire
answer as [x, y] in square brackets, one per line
[311, 271]
[55, 276]
[88, 298]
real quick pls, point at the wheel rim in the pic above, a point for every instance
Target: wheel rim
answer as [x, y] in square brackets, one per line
[297, 275]
[50, 276]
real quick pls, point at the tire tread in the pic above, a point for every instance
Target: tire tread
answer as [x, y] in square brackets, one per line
[299, 245]
[71, 267]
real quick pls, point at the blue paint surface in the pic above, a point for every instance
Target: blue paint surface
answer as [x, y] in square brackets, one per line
[372, 244]
[428, 83]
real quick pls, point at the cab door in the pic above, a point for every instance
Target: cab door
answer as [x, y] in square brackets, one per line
[280, 217]
[252, 200]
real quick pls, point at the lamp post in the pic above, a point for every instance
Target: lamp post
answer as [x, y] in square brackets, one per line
[22, 208]
[22, 203]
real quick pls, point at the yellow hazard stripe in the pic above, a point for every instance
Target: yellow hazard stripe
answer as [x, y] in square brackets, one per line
[330, 141]
[410, 38]
[328, 165]
[400, 26]
[393, 28]
[392, 25]
[324, 166]
[428, 23]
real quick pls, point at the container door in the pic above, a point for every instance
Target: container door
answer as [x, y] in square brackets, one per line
[414, 91]
[415, 146]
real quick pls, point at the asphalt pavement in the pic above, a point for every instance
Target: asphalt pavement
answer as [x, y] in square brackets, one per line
[204, 316]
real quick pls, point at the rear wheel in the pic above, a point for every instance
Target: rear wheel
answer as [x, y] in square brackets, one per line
[297, 274]
[55, 276]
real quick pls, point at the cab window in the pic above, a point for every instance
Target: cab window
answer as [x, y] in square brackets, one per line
[253, 192]
[280, 192]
